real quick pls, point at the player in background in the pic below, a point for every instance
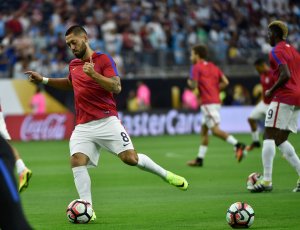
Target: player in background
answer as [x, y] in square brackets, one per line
[94, 79]
[11, 212]
[210, 80]
[259, 112]
[23, 172]
[282, 114]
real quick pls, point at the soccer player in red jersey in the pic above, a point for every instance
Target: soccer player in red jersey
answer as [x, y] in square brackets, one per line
[23, 172]
[94, 79]
[282, 114]
[259, 112]
[210, 80]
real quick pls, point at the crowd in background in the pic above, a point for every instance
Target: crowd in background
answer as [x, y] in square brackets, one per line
[138, 33]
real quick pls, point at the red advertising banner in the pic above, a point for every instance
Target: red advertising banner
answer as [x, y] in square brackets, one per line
[54, 126]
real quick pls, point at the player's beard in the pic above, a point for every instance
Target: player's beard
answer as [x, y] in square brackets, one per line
[81, 51]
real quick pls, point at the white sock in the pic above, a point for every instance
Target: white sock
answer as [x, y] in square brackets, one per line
[83, 183]
[268, 154]
[289, 153]
[145, 163]
[231, 140]
[20, 166]
[255, 135]
[202, 151]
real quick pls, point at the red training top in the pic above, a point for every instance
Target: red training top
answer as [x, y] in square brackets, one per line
[208, 76]
[92, 102]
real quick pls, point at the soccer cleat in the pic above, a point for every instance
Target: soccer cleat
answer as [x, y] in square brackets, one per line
[254, 144]
[94, 217]
[297, 189]
[177, 181]
[240, 151]
[24, 179]
[262, 186]
[198, 162]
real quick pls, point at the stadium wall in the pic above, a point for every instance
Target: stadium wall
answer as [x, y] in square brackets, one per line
[176, 122]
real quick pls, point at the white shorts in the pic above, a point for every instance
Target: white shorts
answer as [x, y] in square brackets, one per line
[282, 116]
[107, 133]
[3, 130]
[259, 111]
[210, 115]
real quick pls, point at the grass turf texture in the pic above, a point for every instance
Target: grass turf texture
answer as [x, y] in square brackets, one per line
[125, 197]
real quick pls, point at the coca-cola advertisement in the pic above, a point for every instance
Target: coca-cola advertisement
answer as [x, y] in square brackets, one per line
[54, 126]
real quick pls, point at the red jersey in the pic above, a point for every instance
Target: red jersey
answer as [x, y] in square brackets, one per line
[267, 81]
[92, 102]
[286, 54]
[208, 76]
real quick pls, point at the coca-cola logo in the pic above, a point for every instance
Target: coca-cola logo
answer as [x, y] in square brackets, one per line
[52, 127]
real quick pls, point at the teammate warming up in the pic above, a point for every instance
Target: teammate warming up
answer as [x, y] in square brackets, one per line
[23, 172]
[210, 80]
[94, 79]
[282, 114]
[259, 112]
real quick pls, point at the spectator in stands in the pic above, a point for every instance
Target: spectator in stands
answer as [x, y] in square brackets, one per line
[189, 99]
[132, 102]
[38, 102]
[143, 95]
[235, 26]
[3, 62]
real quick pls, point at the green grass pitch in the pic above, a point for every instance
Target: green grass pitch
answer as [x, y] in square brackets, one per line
[125, 197]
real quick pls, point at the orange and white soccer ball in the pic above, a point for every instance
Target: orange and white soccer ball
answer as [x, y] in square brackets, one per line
[79, 211]
[240, 215]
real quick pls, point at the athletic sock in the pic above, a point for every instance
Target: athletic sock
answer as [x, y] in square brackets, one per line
[145, 163]
[255, 136]
[231, 140]
[82, 182]
[289, 153]
[20, 166]
[202, 151]
[268, 154]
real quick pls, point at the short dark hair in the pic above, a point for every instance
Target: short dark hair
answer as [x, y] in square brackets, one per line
[76, 29]
[201, 51]
[259, 61]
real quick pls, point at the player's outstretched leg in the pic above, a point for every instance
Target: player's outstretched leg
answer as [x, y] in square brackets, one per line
[197, 162]
[297, 189]
[23, 172]
[254, 132]
[254, 144]
[240, 151]
[239, 147]
[177, 181]
[145, 163]
[24, 178]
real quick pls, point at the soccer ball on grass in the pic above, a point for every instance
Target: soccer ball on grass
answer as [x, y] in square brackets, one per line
[240, 215]
[79, 211]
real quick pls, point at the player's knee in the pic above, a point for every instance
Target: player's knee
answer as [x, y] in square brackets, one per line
[78, 159]
[215, 131]
[129, 157]
[251, 120]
